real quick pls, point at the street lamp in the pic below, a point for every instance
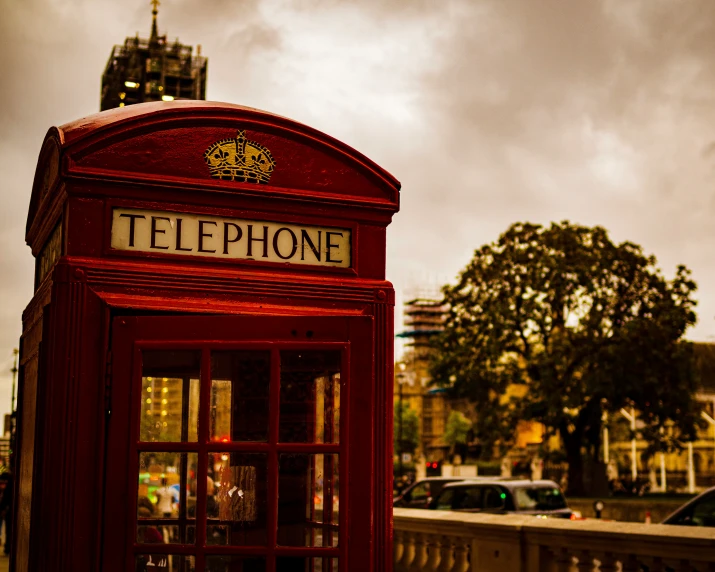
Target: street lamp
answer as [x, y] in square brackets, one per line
[663, 484]
[13, 415]
[710, 420]
[691, 469]
[631, 416]
[400, 382]
[14, 373]
[606, 444]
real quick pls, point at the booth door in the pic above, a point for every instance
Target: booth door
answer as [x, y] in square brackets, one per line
[229, 441]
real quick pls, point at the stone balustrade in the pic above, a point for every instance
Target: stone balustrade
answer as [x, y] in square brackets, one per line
[443, 541]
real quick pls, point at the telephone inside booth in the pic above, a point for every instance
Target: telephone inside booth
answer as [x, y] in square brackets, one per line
[216, 356]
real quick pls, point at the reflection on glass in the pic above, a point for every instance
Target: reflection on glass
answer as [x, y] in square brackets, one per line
[240, 382]
[164, 563]
[308, 491]
[170, 396]
[236, 509]
[302, 564]
[232, 563]
[166, 498]
[310, 397]
[156, 534]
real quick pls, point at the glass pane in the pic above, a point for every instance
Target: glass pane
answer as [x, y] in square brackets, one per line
[166, 498]
[170, 395]
[301, 564]
[235, 564]
[310, 397]
[240, 381]
[237, 507]
[165, 563]
[308, 487]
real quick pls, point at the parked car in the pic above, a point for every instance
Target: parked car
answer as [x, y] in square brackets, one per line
[517, 496]
[699, 511]
[421, 493]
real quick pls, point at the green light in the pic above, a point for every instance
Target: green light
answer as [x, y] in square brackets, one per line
[503, 496]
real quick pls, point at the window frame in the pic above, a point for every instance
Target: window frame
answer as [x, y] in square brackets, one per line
[342, 333]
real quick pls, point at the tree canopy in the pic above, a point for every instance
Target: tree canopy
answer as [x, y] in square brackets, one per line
[557, 325]
[457, 429]
[410, 429]
[456, 433]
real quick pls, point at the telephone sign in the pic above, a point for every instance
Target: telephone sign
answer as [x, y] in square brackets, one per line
[231, 239]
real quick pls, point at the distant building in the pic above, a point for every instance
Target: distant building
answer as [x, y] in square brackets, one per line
[143, 70]
[675, 464]
[423, 319]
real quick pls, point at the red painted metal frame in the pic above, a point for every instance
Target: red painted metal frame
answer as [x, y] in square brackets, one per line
[132, 335]
[150, 156]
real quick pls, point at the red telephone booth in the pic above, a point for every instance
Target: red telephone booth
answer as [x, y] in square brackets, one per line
[206, 377]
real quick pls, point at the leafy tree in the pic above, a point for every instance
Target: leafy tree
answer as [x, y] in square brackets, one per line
[456, 433]
[410, 429]
[458, 427]
[577, 325]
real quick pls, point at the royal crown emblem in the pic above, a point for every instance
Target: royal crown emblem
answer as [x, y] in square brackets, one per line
[240, 160]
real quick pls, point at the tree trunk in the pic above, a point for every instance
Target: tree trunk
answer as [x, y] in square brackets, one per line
[572, 444]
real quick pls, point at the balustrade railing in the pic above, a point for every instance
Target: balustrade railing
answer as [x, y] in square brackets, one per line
[441, 541]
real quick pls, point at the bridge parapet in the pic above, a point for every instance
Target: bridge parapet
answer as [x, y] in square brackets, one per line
[442, 541]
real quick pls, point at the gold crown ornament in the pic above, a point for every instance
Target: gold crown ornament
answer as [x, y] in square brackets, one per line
[240, 160]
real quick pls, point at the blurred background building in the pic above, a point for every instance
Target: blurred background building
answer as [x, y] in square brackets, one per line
[142, 70]
[424, 316]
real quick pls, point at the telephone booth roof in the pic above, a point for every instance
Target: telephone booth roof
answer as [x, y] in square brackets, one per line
[165, 143]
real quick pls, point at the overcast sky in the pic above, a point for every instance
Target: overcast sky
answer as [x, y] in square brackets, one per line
[488, 112]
